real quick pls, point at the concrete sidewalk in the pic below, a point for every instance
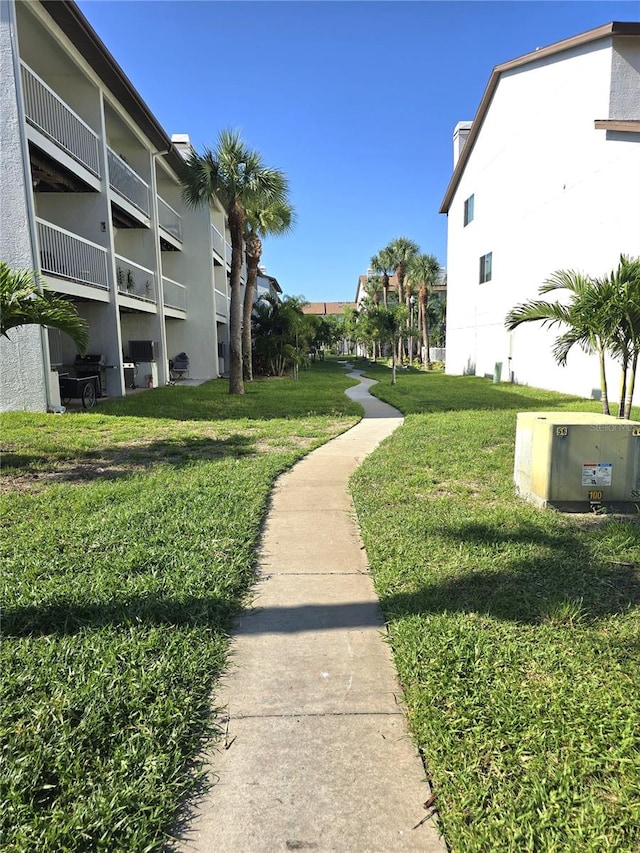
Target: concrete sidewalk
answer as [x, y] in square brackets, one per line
[317, 751]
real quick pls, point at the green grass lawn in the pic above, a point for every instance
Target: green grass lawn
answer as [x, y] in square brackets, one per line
[516, 630]
[127, 540]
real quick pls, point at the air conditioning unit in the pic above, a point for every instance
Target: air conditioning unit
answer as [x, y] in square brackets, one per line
[143, 350]
[574, 461]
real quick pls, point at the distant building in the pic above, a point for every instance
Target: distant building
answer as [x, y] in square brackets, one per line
[267, 285]
[325, 309]
[546, 177]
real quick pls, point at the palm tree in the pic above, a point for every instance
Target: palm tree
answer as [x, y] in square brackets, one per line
[624, 314]
[235, 175]
[401, 251]
[25, 300]
[423, 271]
[382, 264]
[263, 218]
[585, 315]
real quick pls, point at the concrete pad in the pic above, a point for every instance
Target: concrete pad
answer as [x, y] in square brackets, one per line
[345, 671]
[306, 494]
[352, 784]
[308, 541]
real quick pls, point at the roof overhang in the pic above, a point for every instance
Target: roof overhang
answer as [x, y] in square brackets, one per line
[77, 28]
[625, 125]
[618, 28]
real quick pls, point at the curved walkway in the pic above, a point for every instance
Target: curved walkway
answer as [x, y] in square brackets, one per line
[317, 752]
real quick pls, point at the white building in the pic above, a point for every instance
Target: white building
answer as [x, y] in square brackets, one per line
[91, 199]
[546, 177]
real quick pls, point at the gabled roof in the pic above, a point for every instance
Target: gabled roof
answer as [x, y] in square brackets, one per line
[618, 28]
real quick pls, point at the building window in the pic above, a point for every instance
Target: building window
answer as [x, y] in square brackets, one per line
[468, 210]
[485, 267]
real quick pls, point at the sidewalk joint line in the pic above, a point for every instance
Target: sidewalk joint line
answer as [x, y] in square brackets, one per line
[310, 714]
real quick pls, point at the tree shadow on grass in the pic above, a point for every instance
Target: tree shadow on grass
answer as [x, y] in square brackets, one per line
[560, 582]
[119, 461]
[67, 618]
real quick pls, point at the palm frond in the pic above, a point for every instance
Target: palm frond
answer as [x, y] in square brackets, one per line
[549, 313]
[25, 301]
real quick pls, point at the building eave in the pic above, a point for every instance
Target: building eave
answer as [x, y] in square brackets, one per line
[624, 125]
[90, 46]
[617, 28]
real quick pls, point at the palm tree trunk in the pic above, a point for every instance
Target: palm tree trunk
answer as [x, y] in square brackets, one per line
[423, 296]
[236, 227]
[393, 364]
[400, 278]
[632, 385]
[604, 394]
[253, 260]
[623, 386]
[385, 290]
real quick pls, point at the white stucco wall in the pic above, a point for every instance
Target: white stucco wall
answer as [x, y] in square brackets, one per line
[551, 192]
[22, 377]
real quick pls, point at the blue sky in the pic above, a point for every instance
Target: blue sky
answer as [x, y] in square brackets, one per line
[355, 101]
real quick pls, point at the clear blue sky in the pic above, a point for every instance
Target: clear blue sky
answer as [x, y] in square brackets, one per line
[355, 101]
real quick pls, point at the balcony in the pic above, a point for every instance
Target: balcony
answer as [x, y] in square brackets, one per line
[48, 113]
[127, 183]
[68, 256]
[135, 281]
[169, 219]
[174, 294]
[218, 242]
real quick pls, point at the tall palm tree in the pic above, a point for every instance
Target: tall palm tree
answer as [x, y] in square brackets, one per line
[585, 314]
[624, 314]
[401, 251]
[25, 300]
[382, 264]
[263, 218]
[235, 175]
[423, 272]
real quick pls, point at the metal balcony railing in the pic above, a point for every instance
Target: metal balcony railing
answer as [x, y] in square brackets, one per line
[218, 241]
[170, 219]
[135, 281]
[127, 182]
[49, 114]
[66, 255]
[174, 294]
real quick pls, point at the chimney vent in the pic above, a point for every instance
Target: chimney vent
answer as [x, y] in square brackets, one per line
[460, 134]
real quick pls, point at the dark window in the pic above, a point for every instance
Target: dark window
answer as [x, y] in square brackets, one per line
[485, 267]
[468, 210]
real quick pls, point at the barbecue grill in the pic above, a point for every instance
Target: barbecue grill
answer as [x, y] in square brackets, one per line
[90, 365]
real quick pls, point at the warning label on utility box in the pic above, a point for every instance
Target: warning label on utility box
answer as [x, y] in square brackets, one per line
[596, 473]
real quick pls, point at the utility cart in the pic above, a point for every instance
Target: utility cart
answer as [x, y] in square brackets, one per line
[85, 388]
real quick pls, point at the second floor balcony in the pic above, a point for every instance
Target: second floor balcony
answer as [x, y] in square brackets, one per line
[174, 294]
[68, 256]
[135, 281]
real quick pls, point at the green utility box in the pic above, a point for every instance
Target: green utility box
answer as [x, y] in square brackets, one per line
[578, 460]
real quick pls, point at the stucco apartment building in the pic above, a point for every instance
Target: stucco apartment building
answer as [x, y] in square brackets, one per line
[546, 177]
[91, 200]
